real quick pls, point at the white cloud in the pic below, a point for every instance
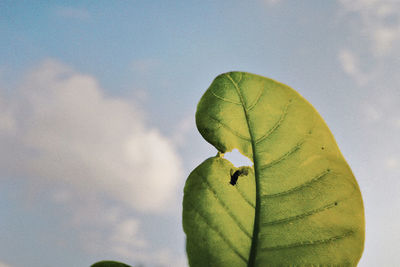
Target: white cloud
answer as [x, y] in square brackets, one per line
[372, 113]
[92, 153]
[2, 264]
[350, 65]
[7, 122]
[393, 163]
[113, 234]
[184, 127]
[161, 258]
[379, 20]
[66, 129]
[126, 234]
[272, 2]
[120, 237]
[72, 13]
[396, 123]
[373, 28]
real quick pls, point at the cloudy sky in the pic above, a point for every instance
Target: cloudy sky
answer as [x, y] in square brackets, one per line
[97, 103]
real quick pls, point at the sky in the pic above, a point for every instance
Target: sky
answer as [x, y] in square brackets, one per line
[97, 104]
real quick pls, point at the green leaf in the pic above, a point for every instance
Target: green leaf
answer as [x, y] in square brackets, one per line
[109, 264]
[299, 205]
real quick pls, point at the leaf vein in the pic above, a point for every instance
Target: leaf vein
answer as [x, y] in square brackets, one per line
[245, 198]
[257, 99]
[237, 91]
[230, 129]
[299, 187]
[225, 99]
[283, 157]
[309, 242]
[254, 242]
[226, 208]
[225, 239]
[303, 215]
[241, 76]
[276, 125]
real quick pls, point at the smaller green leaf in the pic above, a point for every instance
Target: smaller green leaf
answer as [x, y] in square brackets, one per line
[109, 264]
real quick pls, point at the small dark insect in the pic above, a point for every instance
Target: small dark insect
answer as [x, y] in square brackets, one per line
[235, 177]
[236, 174]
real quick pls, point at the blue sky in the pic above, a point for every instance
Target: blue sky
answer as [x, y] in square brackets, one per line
[97, 103]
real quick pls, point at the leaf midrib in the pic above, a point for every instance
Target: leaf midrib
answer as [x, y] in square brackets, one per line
[254, 242]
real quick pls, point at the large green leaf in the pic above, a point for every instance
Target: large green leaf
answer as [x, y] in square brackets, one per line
[299, 205]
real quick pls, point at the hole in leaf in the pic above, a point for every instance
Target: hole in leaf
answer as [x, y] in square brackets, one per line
[237, 158]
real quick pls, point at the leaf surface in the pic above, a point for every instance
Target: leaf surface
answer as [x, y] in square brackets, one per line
[299, 205]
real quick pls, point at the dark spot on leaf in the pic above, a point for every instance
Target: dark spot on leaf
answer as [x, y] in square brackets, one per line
[335, 203]
[236, 174]
[234, 177]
